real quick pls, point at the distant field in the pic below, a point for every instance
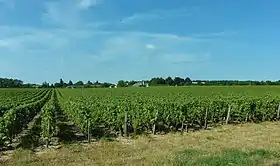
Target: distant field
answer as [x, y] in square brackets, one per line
[198, 90]
[39, 118]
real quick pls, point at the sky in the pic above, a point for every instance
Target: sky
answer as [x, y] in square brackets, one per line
[111, 40]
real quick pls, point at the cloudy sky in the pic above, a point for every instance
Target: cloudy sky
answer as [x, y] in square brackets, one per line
[109, 40]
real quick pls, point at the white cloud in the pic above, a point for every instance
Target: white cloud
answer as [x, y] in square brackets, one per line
[85, 4]
[215, 34]
[106, 45]
[165, 36]
[61, 14]
[69, 14]
[119, 53]
[157, 14]
[124, 56]
[27, 40]
[78, 41]
[128, 46]
[150, 46]
[4, 43]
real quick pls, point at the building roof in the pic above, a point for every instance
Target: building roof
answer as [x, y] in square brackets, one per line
[138, 84]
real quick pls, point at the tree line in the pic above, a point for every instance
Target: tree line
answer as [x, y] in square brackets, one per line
[16, 83]
[178, 81]
[156, 81]
[70, 84]
[11, 83]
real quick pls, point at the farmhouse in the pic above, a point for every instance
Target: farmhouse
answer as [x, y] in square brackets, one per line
[35, 86]
[140, 84]
[113, 86]
[70, 86]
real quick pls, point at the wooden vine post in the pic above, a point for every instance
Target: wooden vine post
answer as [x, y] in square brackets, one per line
[125, 124]
[205, 119]
[154, 129]
[247, 116]
[182, 128]
[48, 134]
[88, 132]
[228, 114]
[278, 112]
[154, 125]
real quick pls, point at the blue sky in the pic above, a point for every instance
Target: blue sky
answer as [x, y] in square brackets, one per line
[109, 40]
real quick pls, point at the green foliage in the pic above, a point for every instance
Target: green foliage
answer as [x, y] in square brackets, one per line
[179, 81]
[166, 108]
[169, 81]
[188, 81]
[10, 98]
[17, 117]
[10, 83]
[79, 83]
[49, 118]
[169, 107]
[157, 81]
[70, 83]
[45, 85]
[122, 83]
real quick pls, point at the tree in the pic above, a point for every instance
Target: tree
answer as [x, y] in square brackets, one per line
[89, 83]
[169, 81]
[70, 83]
[28, 85]
[10, 83]
[121, 83]
[57, 85]
[97, 83]
[45, 85]
[179, 81]
[79, 83]
[61, 82]
[188, 81]
[268, 83]
[157, 81]
[130, 83]
[105, 85]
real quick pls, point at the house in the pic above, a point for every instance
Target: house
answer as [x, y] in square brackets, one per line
[113, 86]
[70, 86]
[140, 84]
[35, 86]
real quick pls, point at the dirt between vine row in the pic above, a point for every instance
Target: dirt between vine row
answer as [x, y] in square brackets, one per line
[29, 138]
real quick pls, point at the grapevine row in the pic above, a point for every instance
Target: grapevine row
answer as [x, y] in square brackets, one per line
[180, 111]
[49, 117]
[21, 100]
[15, 119]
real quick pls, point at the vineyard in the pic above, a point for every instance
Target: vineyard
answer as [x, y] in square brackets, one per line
[129, 112]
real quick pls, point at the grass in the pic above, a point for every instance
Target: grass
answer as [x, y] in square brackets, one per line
[247, 144]
[227, 157]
